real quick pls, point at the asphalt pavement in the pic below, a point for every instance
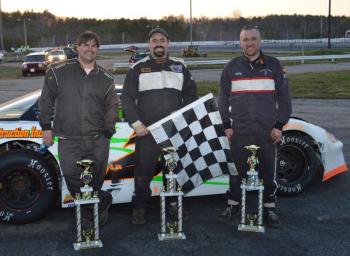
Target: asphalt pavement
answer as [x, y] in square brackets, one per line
[313, 223]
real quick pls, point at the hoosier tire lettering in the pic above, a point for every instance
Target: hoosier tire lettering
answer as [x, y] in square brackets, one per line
[29, 186]
[297, 164]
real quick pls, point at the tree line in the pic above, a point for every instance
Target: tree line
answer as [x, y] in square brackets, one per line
[46, 30]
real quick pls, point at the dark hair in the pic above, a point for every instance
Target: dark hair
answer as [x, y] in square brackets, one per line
[87, 36]
[249, 27]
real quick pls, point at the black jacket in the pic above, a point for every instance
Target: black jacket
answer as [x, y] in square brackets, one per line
[85, 105]
[153, 90]
[254, 96]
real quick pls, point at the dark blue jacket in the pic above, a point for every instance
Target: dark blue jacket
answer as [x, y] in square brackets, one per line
[254, 96]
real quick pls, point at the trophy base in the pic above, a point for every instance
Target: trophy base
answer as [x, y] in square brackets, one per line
[249, 228]
[252, 187]
[168, 236]
[84, 245]
[87, 201]
[174, 193]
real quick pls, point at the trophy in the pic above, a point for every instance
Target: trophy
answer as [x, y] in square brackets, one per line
[171, 230]
[87, 196]
[252, 183]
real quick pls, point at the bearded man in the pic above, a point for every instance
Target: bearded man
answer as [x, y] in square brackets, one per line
[154, 87]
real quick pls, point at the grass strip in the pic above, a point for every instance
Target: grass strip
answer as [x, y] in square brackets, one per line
[325, 85]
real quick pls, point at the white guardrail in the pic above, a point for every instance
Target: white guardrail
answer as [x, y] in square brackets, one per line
[283, 58]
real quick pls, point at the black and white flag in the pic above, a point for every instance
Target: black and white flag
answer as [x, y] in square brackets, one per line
[197, 133]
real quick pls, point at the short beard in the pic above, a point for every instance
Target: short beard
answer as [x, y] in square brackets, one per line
[250, 56]
[87, 60]
[159, 54]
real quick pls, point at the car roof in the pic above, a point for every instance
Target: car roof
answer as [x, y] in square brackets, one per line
[36, 53]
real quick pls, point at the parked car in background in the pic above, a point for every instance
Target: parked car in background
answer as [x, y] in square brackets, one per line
[1, 56]
[35, 63]
[70, 52]
[192, 51]
[56, 55]
[135, 54]
[131, 48]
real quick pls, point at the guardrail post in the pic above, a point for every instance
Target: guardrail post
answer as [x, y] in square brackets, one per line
[302, 54]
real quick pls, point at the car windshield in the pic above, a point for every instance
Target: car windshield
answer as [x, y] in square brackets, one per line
[14, 109]
[69, 50]
[34, 58]
[56, 53]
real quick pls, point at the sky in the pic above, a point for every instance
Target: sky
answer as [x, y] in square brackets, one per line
[156, 9]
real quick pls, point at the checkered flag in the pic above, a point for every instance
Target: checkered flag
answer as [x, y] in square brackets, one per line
[197, 133]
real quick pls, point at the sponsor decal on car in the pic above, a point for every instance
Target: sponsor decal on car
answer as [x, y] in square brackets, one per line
[293, 126]
[19, 133]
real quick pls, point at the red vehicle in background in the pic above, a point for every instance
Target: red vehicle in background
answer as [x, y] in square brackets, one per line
[35, 63]
[135, 54]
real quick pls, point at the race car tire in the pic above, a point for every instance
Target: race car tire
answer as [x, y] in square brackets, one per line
[28, 186]
[297, 164]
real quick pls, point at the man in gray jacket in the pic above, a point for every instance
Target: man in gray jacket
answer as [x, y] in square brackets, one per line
[154, 87]
[84, 100]
[254, 103]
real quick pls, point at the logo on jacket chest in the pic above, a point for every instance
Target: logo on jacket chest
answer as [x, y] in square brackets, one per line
[265, 71]
[176, 68]
[146, 70]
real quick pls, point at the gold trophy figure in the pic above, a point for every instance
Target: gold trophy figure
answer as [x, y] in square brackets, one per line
[252, 183]
[87, 233]
[251, 219]
[175, 228]
[253, 179]
[172, 226]
[86, 177]
[87, 196]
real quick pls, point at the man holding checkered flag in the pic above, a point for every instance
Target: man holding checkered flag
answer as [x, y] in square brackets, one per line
[154, 87]
[202, 148]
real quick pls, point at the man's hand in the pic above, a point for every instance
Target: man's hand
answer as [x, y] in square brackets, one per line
[276, 135]
[141, 130]
[47, 137]
[229, 133]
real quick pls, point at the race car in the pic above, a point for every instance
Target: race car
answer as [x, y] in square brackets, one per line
[31, 180]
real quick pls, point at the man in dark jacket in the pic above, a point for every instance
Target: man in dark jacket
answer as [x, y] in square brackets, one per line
[254, 103]
[84, 100]
[154, 87]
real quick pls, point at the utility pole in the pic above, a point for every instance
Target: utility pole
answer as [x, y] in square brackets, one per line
[24, 29]
[1, 33]
[329, 24]
[25, 32]
[191, 22]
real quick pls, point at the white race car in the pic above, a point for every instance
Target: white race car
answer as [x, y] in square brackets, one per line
[31, 180]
